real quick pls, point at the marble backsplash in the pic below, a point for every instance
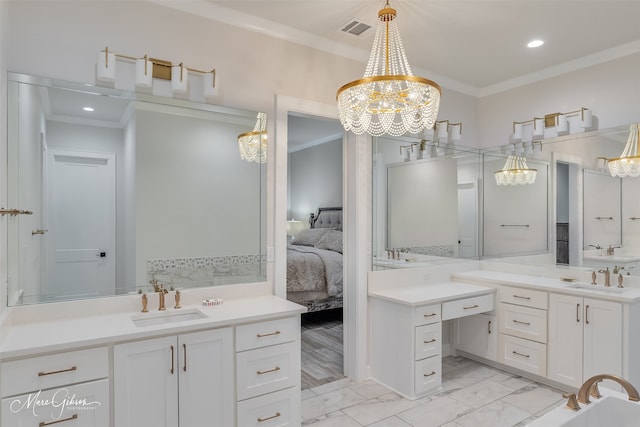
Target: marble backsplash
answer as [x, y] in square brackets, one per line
[207, 271]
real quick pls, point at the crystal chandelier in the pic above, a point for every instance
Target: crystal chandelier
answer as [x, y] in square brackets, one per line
[253, 145]
[516, 172]
[388, 99]
[628, 164]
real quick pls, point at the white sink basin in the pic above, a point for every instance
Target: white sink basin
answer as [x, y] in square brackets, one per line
[598, 288]
[167, 317]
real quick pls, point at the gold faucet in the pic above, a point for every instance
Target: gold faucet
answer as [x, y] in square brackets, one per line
[590, 386]
[607, 276]
[161, 293]
[572, 403]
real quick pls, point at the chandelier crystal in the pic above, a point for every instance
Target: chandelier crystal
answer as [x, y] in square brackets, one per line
[628, 164]
[516, 172]
[253, 145]
[389, 99]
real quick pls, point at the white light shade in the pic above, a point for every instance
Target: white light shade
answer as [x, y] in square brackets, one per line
[106, 68]
[538, 127]
[294, 227]
[144, 72]
[456, 132]
[443, 131]
[562, 123]
[179, 78]
[428, 134]
[517, 131]
[209, 82]
[515, 172]
[585, 119]
[628, 164]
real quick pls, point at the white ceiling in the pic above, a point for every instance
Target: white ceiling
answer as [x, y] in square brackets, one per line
[477, 47]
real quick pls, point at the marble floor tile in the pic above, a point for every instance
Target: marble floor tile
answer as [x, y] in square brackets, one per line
[495, 414]
[480, 394]
[533, 398]
[469, 375]
[472, 394]
[334, 419]
[435, 412]
[369, 389]
[391, 422]
[327, 403]
[332, 386]
[516, 382]
[378, 409]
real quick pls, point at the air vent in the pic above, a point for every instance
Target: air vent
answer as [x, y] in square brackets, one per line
[355, 27]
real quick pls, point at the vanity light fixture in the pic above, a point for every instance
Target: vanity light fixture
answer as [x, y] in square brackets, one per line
[557, 120]
[447, 130]
[253, 145]
[628, 164]
[516, 172]
[388, 99]
[149, 68]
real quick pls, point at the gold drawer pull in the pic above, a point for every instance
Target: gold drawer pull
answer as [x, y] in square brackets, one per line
[429, 375]
[473, 306]
[520, 354]
[42, 374]
[261, 420]
[431, 315]
[268, 335]
[430, 341]
[522, 323]
[521, 297]
[277, 368]
[71, 418]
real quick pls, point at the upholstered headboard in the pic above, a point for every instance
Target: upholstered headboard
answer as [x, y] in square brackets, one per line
[327, 218]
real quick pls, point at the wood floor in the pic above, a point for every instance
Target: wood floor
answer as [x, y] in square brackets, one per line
[322, 354]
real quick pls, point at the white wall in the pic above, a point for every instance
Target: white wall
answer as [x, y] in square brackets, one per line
[610, 90]
[315, 179]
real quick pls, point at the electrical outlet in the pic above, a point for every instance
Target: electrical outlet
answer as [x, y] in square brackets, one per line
[270, 254]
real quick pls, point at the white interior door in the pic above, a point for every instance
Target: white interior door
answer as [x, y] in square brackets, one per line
[82, 226]
[467, 221]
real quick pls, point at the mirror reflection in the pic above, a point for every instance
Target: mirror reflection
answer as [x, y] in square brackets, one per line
[575, 213]
[125, 189]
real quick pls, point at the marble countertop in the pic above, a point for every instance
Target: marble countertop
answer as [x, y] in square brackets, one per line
[431, 294]
[23, 339]
[552, 284]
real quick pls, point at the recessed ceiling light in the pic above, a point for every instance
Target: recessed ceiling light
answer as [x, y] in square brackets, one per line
[535, 43]
[88, 109]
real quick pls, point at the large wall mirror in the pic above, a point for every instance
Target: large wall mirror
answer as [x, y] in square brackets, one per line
[124, 189]
[447, 206]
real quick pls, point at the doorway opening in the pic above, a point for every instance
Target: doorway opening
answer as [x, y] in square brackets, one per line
[314, 242]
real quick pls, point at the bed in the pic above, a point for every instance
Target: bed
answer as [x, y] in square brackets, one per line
[314, 262]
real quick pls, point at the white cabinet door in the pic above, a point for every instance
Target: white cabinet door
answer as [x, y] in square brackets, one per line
[602, 338]
[145, 383]
[565, 339]
[206, 378]
[477, 335]
[585, 338]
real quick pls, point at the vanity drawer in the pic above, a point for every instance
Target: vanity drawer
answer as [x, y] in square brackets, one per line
[426, 314]
[268, 369]
[428, 340]
[526, 297]
[523, 354]
[523, 322]
[467, 306]
[281, 408]
[428, 375]
[271, 332]
[54, 370]
[89, 407]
